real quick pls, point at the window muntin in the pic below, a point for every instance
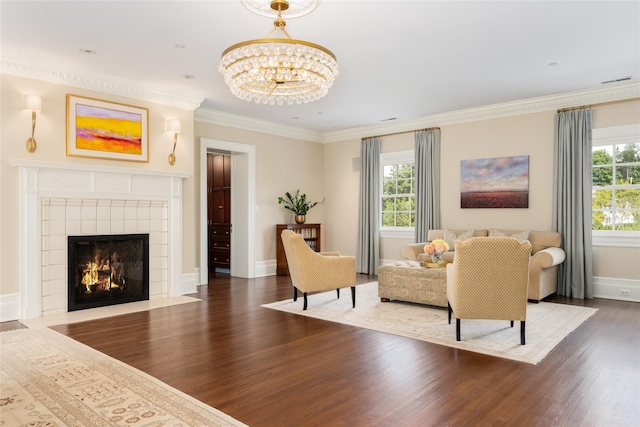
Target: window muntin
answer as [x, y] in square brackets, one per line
[397, 194]
[616, 186]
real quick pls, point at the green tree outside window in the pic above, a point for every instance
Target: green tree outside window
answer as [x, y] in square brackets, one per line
[616, 187]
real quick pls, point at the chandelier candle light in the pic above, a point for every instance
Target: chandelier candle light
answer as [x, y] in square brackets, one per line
[278, 69]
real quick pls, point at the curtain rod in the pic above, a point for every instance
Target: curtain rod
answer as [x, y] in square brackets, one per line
[399, 133]
[562, 110]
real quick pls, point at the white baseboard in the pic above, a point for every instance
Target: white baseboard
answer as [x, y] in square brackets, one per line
[611, 288]
[10, 303]
[604, 287]
[266, 268]
[9, 307]
[189, 282]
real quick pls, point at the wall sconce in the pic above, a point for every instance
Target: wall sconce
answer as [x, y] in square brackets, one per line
[33, 103]
[173, 125]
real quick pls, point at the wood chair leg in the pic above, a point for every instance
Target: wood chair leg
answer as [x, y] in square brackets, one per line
[353, 296]
[304, 294]
[457, 329]
[338, 290]
[450, 311]
[522, 332]
[512, 323]
[295, 294]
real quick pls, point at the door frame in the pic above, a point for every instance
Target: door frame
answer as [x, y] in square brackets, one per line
[243, 202]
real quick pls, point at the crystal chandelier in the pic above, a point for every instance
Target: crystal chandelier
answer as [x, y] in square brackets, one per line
[278, 69]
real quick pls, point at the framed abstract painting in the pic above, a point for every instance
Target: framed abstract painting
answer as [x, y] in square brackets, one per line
[107, 130]
[499, 182]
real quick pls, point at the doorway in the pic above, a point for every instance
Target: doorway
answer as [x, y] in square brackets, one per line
[243, 207]
[219, 212]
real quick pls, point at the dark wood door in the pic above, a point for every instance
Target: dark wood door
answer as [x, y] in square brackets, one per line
[219, 210]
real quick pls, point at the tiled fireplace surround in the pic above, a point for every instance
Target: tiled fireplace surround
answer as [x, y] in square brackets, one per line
[60, 200]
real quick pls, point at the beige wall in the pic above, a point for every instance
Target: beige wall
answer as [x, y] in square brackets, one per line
[51, 138]
[621, 263]
[282, 164]
[527, 134]
[286, 164]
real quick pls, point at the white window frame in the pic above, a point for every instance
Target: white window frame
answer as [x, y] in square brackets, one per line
[628, 134]
[387, 159]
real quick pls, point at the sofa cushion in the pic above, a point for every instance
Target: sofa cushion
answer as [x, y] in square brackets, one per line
[520, 236]
[450, 237]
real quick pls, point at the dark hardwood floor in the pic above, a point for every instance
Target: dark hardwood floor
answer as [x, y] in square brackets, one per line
[269, 368]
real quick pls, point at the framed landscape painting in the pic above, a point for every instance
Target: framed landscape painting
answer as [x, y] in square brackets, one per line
[106, 130]
[500, 182]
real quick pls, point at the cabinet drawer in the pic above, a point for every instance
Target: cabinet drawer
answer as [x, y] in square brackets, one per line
[220, 257]
[219, 231]
[216, 243]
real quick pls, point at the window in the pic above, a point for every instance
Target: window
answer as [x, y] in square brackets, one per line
[616, 185]
[398, 200]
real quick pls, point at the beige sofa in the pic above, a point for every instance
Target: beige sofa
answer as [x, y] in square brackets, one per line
[546, 255]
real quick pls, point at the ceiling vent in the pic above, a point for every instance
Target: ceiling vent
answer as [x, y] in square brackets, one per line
[617, 80]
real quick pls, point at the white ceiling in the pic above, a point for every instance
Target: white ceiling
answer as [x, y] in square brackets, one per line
[398, 59]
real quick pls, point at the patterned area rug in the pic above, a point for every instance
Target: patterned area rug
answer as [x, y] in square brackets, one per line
[51, 380]
[547, 324]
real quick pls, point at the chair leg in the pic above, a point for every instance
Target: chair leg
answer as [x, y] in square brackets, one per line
[457, 329]
[353, 296]
[338, 290]
[512, 323]
[522, 332]
[304, 294]
[450, 310]
[295, 294]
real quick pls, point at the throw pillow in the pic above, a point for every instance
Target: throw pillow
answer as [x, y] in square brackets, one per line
[450, 237]
[520, 237]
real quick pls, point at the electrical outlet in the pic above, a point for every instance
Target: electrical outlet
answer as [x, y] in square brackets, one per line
[625, 293]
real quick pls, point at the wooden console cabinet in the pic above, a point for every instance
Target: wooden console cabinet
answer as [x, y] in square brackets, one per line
[311, 235]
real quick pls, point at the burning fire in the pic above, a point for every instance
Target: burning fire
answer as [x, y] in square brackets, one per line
[102, 275]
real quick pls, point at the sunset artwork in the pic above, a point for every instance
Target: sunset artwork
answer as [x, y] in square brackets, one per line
[106, 130]
[103, 129]
[500, 182]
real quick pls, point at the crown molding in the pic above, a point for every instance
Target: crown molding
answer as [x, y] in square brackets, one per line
[247, 123]
[613, 92]
[97, 82]
[108, 84]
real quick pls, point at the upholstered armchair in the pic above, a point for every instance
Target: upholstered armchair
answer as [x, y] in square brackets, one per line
[488, 279]
[316, 272]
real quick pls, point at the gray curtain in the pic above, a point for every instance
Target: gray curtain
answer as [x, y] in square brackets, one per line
[572, 201]
[427, 162]
[368, 246]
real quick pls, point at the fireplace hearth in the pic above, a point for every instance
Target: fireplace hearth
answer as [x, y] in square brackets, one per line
[107, 269]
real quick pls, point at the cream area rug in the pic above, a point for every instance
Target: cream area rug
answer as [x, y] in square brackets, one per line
[50, 380]
[547, 323]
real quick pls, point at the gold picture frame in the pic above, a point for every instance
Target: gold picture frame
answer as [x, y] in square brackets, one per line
[107, 130]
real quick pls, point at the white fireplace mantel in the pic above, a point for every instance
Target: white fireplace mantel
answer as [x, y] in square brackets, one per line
[43, 180]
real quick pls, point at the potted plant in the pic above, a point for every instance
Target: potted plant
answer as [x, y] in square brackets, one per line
[298, 204]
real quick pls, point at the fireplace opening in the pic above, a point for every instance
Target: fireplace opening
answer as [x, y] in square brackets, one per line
[107, 269]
